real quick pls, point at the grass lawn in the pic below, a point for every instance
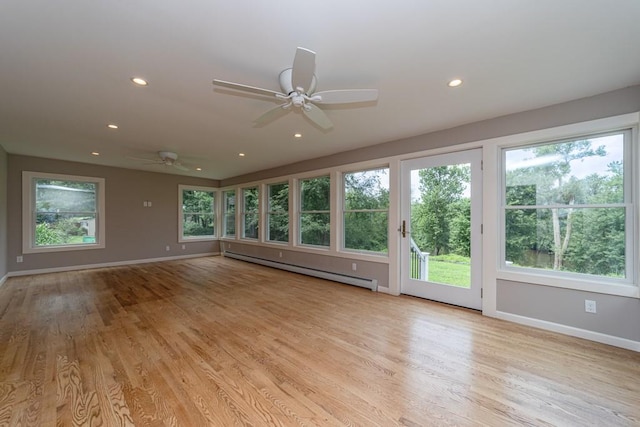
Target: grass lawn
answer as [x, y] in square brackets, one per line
[450, 273]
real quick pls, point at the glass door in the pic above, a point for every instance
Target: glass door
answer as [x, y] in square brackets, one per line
[441, 230]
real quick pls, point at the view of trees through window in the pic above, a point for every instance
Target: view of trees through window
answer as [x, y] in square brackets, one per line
[198, 217]
[65, 212]
[315, 215]
[366, 210]
[565, 206]
[278, 212]
[229, 213]
[250, 213]
[441, 223]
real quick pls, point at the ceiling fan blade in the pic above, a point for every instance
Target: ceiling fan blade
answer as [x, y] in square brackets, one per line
[271, 115]
[180, 167]
[346, 96]
[246, 88]
[304, 66]
[149, 161]
[316, 115]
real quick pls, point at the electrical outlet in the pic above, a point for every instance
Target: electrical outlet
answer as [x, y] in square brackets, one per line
[19, 258]
[184, 247]
[354, 266]
[228, 245]
[168, 248]
[589, 306]
[280, 254]
[149, 203]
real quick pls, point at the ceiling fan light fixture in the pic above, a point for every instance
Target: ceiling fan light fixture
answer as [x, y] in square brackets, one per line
[454, 83]
[139, 81]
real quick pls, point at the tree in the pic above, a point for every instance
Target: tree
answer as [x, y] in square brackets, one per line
[315, 218]
[554, 185]
[366, 203]
[441, 188]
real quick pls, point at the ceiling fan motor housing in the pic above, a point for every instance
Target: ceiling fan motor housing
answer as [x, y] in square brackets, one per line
[287, 85]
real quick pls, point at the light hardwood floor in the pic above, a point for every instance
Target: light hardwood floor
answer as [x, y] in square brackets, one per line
[215, 341]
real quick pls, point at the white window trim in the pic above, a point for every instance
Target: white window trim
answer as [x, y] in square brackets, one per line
[181, 237]
[583, 282]
[28, 212]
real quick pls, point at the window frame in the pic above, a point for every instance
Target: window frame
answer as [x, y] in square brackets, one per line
[627, 286]
[181, 237]
[344, 211]
[29, 213]
[269, 212]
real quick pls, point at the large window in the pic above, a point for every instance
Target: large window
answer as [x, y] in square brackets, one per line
[568, 208]
[250, 213]
[62, 212]
[197, 213]
[366, 210]
[278, 212]
[229, 213]
[315, 211]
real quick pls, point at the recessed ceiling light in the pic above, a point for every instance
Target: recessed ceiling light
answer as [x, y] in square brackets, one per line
[454, 83]
[139, 81]
[297, 135]
[198, 169]
[241, 154]
[95, 153]
[112, 126]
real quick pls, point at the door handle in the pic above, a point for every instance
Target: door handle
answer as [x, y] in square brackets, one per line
[404, 228]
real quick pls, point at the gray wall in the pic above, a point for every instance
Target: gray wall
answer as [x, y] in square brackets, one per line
[3, 212]
[133, 232]
[616, 316]
[339, 265]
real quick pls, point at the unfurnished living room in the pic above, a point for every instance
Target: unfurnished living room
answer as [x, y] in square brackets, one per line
[415, 213]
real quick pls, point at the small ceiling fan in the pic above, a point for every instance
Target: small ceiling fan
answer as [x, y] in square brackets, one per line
[298, 85]
[166, 158]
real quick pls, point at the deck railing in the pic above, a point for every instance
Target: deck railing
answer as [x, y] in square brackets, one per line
[419, 263]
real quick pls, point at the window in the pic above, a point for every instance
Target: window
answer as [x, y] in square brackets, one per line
[366, 210]
[278, 212]
[568, 209]
[229, 213]
[315, 211]
[197, 213]
[62, 212]
[250, 213]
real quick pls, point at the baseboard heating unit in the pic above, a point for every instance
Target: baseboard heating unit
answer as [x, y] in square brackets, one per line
[341, 278]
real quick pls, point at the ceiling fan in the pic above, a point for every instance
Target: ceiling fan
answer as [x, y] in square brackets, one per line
[298, 85]
[166, 158]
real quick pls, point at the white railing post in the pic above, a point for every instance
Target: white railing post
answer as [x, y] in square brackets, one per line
[424, 272]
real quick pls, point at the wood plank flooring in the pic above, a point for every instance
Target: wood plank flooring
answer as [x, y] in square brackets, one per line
[220, 342]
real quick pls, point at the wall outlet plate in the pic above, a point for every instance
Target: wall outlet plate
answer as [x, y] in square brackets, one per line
[589, 306]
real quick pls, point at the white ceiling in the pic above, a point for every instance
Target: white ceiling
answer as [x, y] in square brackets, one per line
[65, 67]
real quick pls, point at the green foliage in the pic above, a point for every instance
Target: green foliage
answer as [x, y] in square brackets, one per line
[47, 235]
[366, 204]
[567, 236]
[315, 217]
[198, 208]
[278, 216]
[441, 210]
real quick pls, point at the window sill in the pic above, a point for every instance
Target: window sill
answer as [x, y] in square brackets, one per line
[50, 249]
[586, 285]
[197, 239]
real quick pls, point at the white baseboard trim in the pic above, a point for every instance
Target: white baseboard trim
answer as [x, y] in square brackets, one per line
[4, 279]
[106, 264]
[570, 330]
[384, 290]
